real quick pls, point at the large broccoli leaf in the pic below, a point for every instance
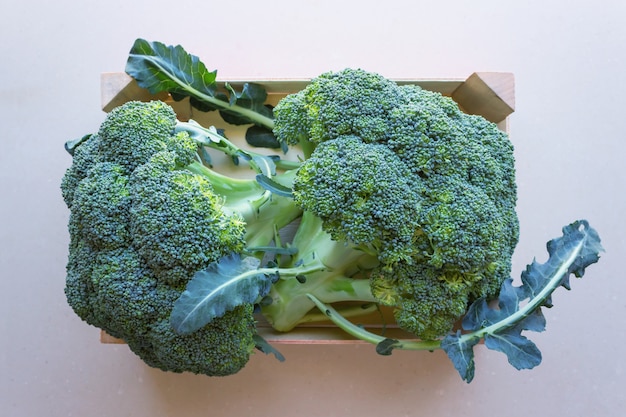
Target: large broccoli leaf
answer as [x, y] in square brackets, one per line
[502, 327]
[161, 68]
[217, 289]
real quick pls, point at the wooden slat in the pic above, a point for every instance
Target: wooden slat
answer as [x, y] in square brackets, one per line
[489, 94]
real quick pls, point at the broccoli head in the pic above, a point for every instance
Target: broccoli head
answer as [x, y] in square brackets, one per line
[403, 173]
[222, 347]
[145, 216]
[133, 132]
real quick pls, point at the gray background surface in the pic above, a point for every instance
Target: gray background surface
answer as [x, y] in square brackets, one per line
[568, 130]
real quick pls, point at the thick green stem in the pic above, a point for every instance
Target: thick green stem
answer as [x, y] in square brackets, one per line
[367, 336]
[210, 138]
[267, 215]
[249, 114]
[351, 311]
[290, 303]
[234, 190]
[291, 272]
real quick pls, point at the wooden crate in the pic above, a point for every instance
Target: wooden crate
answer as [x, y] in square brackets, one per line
[489, 94]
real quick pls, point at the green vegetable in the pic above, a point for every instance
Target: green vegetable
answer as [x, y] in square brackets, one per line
[399, 200]
[145, 216]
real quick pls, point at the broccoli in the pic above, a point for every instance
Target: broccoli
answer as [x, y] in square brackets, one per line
[403, 177]
[427, 188]
[399, 199]
[177, 222]
[145, 216]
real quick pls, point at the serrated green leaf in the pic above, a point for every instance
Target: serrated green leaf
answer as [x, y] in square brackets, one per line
[161, 68]
[252, 96]
[461, 353]
[475, 318]
[222, 286]
[264, 346]
[520, 352]
[535, 322]
[274, 187]
[508, 300]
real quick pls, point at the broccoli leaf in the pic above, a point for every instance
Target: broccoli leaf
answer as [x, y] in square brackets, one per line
[386, 347]
[502, 327]
[70, 145]
[220, 287]
[261, 137]
[264, 346]
[161, 68]
[252, 96]
[520, 352]
[269, 184]
[461, 353]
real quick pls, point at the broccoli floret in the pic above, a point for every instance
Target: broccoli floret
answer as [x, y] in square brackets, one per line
[364, 194]
[468, 233]
[348, 102]
[101, 205]
[426, 301]
[78, 285]
[133, 132]
[223, 347]
[83, 158]
[124, 296]
[176, 220]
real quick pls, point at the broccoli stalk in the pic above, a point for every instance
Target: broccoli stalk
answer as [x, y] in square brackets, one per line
[262, 211]
[342, 278]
